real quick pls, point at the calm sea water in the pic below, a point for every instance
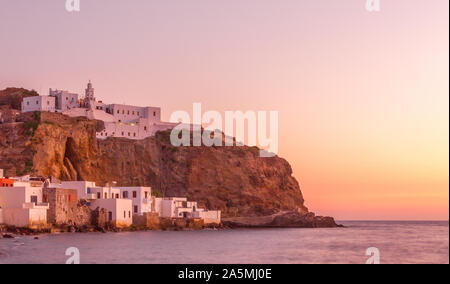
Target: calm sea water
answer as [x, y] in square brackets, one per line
[398, 242]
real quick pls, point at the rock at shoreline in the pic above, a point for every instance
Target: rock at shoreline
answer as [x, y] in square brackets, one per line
[288, 219]
[8, 236]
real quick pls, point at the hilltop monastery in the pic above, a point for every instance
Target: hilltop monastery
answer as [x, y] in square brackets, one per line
[132, 122]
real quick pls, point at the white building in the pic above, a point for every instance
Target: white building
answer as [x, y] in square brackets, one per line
[119, 211]
[180, 207]
[83, 188]
[141, 198]
[64, 100]
[174, 207]
[23, 207]
[39, 103]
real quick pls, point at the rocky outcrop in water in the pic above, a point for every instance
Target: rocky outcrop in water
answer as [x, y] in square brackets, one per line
[286, 219]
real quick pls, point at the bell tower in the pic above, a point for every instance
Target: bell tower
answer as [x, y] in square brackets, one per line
[89, 95]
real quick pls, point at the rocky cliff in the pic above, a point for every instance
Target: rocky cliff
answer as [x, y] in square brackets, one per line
[232, 179]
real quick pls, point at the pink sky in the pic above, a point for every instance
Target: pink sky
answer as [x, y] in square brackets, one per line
[363, 98]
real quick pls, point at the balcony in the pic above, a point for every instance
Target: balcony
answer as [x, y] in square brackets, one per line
[91, 196]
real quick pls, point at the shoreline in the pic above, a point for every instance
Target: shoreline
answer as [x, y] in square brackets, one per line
[280, 220]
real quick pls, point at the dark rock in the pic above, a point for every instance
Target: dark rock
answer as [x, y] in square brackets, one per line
[290, 219]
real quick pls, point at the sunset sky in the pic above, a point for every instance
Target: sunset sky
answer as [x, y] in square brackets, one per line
[363, 98]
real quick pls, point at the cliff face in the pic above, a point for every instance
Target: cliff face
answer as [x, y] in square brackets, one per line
[232, 179]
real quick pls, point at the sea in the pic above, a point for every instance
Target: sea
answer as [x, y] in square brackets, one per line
[385, 242]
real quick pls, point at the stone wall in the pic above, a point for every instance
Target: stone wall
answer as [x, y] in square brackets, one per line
[63, 205]
[147, 220]
[84, 214]
[99, 217]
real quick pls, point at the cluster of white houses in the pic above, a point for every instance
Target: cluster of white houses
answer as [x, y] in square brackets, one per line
[24, 202]
[132, 122]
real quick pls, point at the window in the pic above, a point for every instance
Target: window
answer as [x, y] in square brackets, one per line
[129, 214]
[129, 134]
[124, 214]
[28, 103]
[146, 194]
[145, 128]
[118, 111]
[137, 113]
[133, 112]
[99, 195]
[128, 112]
[106, 195]
[123, 134]
[135, 134]
[154, 113]
[117, 196]
[37, 102]
[134, 194]
[135, 209]
[125, 194]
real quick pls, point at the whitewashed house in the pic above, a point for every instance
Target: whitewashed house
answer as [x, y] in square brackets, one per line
[39, 103]
[141, 198]
[22, 206]
[64, 100]
[83, 188]
[180, 207]
[119, 211]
